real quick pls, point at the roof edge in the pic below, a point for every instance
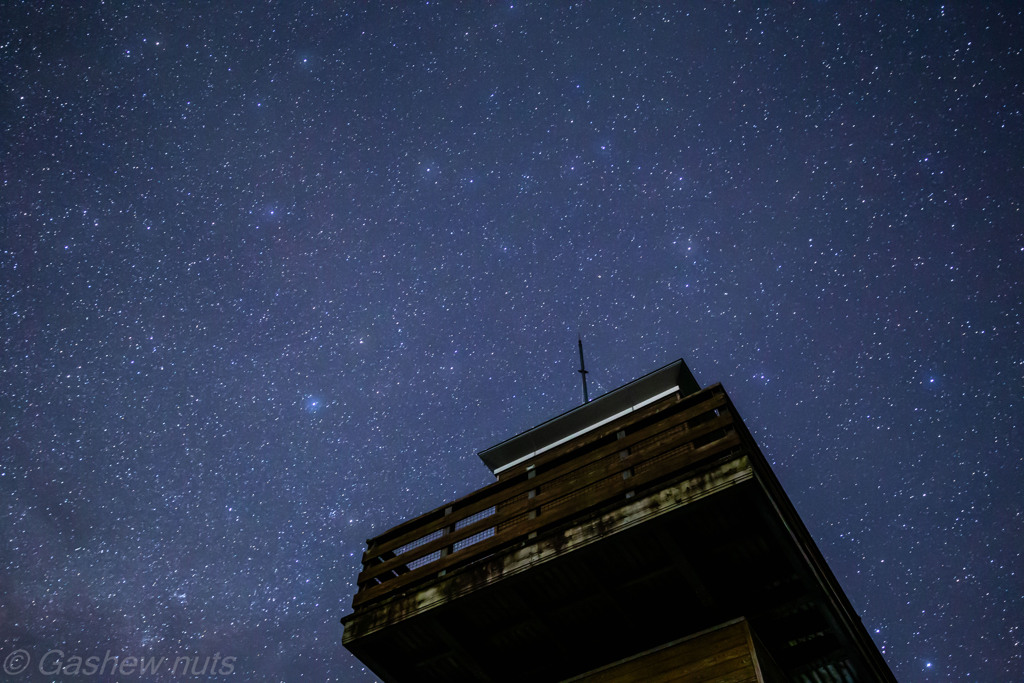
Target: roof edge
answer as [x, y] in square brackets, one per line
[675, 376]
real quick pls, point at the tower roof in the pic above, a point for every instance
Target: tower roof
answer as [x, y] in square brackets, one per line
[520, 448]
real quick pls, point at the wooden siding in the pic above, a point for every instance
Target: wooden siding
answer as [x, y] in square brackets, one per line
[723, 655]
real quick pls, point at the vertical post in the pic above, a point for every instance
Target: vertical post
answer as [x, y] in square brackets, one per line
[450, 529]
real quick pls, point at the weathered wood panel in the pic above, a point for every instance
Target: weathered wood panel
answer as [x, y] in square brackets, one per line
[723, 655]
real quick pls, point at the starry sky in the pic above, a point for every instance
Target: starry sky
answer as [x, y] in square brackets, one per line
[272, 273]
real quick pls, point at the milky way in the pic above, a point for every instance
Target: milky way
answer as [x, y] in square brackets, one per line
[274, 273]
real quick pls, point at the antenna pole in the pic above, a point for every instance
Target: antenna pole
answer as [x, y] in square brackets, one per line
[583, 372]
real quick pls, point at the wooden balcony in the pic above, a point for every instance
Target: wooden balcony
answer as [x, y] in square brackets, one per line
[561, 486]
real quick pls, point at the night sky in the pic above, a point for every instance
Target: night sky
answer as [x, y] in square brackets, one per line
[274, 273]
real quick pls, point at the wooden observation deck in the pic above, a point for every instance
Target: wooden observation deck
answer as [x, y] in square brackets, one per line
[639, 537]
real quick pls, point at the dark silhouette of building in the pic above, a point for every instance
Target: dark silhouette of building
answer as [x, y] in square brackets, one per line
[639, 537]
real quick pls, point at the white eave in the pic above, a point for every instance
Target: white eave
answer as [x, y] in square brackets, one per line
[675, 377]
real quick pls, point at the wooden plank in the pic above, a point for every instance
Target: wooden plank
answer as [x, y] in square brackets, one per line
[720, 655]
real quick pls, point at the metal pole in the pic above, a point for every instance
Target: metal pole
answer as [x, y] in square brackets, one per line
[583, 372]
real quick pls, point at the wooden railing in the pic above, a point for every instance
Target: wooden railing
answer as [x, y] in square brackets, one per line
[557, 487]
